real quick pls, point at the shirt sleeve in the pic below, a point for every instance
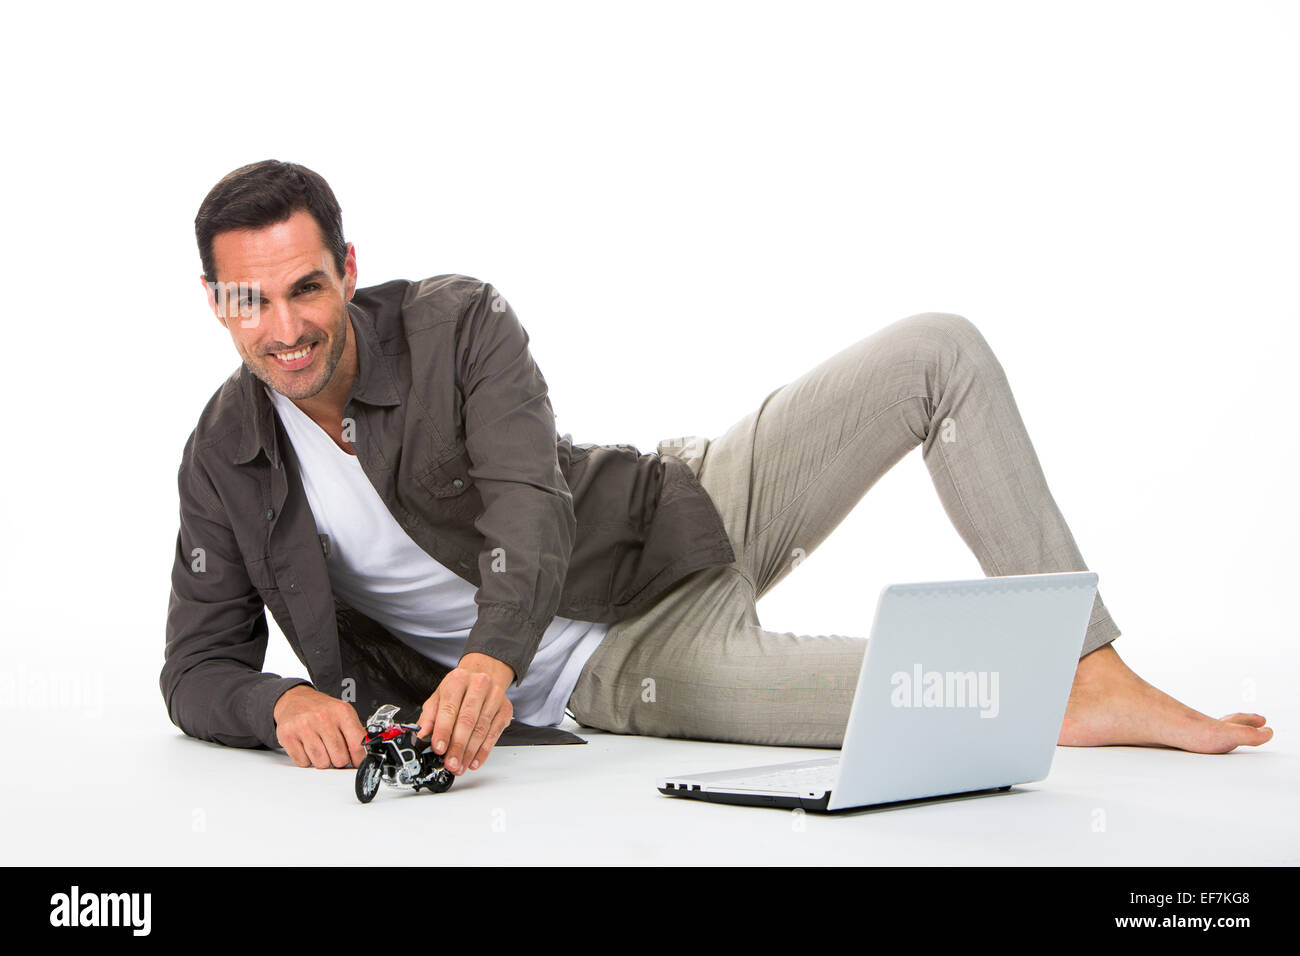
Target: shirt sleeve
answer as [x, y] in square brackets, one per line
[212, 679]
[527, 521]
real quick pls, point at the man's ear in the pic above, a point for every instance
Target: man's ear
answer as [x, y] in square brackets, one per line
[211, 293]
[350, 273]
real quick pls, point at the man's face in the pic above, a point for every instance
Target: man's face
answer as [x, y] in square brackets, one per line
[278, 293]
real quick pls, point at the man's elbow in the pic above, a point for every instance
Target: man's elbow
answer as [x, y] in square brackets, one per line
[193, 718]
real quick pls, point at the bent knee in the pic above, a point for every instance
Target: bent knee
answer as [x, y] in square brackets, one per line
[950, 322]
[948, 331]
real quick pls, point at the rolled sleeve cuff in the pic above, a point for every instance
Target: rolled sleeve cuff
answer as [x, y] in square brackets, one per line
[503, 632]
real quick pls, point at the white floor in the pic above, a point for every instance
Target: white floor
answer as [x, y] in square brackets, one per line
[141, 793]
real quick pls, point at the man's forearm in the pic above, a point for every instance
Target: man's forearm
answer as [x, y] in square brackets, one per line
[225, 703]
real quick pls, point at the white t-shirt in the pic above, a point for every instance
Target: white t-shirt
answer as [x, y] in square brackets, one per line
[377, 569]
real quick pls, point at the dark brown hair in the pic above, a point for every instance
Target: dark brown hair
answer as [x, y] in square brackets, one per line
[262, 194]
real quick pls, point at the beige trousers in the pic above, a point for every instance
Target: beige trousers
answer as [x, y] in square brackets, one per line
[698, 664]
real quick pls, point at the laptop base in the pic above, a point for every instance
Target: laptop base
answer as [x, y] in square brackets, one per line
[813, 804]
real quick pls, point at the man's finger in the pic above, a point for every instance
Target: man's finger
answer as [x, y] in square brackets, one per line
[450, 693]
[428, 713]
[445, 716]
[355, 736]
[316, 750]
[471, 709]
[493, 705]
[293, 747]
[336, 746]
[357, 746]
[315, 747]
[474, 760]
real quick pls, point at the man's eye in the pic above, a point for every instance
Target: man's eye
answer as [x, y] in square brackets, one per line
[310, 285]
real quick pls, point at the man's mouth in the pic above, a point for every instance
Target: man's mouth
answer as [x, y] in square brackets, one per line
[295, 359]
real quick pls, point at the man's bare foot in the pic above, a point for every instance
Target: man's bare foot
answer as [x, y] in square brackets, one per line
[1111, 706]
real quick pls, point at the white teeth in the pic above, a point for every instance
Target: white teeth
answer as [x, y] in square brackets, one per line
[292, 356]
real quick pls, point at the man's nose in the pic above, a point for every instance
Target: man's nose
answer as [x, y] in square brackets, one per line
[280, 328]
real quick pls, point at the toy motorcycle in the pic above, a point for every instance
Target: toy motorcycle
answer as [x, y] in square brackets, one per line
[395, 756]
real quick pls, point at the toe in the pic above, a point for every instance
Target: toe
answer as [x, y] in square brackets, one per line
[1244, 735]
[1249, 720]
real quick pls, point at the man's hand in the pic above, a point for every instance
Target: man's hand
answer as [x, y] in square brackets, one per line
[468, 711]
[318, 730]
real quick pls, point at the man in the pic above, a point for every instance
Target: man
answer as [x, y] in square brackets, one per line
[383, 471]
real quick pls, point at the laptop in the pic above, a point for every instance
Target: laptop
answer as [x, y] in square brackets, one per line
[962, 689]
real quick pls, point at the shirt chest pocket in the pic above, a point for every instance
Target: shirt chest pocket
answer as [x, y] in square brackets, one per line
[449, 480]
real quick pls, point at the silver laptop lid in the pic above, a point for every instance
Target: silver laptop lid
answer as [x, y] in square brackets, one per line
[964, 686]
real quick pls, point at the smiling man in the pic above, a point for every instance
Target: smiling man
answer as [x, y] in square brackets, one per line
[384, 474]
[301, 346]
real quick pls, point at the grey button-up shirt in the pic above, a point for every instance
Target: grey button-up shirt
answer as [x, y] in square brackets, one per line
[451, 422]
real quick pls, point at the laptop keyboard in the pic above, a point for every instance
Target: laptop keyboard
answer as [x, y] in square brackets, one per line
[799, 780]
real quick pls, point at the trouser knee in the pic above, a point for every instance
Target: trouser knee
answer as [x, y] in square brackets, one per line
[947, 339]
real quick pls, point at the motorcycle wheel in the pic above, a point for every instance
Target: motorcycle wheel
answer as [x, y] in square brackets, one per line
[440, 782]
[368, 778]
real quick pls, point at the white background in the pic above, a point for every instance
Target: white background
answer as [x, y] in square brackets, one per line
[687, 204]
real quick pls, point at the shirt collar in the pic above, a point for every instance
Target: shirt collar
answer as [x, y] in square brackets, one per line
[375, 385]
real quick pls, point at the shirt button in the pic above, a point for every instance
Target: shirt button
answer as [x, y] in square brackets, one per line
[270, 513]
[458, 483]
